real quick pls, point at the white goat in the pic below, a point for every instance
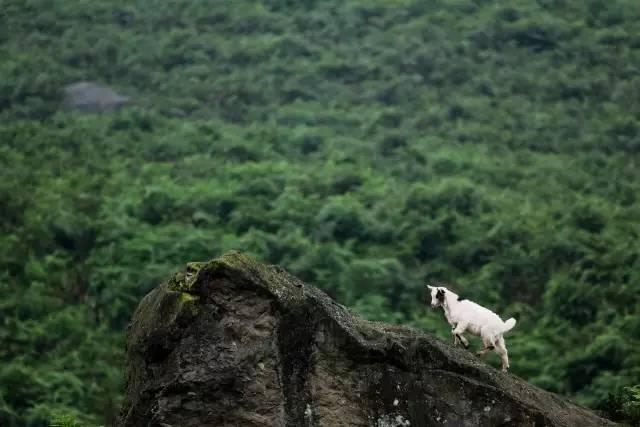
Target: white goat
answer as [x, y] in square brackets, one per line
[464, 315]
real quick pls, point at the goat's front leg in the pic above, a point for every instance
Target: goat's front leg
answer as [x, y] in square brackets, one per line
[456, 338]
[457, 334]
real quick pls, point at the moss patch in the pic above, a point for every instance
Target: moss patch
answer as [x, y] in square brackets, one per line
[183, 281]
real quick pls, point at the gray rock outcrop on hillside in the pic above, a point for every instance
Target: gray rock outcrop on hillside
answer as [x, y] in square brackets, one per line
[93, 98]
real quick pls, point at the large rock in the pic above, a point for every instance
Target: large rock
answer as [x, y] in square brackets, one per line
[235, 343]
[93, 98]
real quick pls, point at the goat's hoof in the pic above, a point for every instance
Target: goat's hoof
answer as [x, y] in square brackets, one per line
[466, 346]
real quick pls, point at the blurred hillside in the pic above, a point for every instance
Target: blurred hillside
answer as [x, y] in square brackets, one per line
[366, 146]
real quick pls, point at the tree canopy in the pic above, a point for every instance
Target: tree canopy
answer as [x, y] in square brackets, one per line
[365, 146]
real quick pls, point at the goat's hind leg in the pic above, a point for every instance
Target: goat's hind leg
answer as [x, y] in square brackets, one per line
[487, 347]
[501, 349]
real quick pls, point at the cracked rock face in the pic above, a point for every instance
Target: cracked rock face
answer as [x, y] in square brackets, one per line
[233, 342]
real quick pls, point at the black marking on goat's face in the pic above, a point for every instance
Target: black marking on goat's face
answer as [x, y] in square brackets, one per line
[437, 296]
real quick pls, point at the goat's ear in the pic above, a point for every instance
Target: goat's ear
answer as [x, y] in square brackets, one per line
[429, 286]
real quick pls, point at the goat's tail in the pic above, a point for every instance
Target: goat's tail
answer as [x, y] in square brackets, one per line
[508, 325]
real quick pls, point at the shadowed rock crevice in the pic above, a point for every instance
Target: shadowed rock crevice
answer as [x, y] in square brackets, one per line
[295, 343]
[233, 342]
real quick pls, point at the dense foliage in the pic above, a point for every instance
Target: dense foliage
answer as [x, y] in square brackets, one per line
[365, 145]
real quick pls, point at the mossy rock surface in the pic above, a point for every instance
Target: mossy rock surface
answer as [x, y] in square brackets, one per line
[233, 342]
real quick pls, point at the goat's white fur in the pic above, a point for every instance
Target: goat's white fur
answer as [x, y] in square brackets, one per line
[464, 315]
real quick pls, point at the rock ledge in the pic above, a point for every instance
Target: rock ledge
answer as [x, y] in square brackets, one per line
[232, 342]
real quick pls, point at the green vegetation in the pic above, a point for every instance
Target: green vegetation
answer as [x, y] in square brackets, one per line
[624, 406]
[364, 145]
[64, 420]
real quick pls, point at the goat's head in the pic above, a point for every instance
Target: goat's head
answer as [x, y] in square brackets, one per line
[437, 295]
